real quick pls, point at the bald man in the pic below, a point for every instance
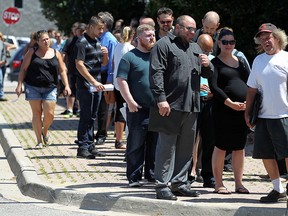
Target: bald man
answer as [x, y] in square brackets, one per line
[210, 24]
[205, 121]
[175, 113]
[206, 43]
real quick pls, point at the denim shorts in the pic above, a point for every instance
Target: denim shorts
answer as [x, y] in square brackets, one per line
[39, 93]
[271, 139]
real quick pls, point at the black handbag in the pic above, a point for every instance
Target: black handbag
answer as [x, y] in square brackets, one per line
[255, 108]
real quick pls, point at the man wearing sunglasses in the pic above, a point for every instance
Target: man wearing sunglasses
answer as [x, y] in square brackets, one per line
[165, 21]
[175, 69]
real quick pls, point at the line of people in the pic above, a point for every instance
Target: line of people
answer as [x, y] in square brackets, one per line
[183, 88]
[5, 48]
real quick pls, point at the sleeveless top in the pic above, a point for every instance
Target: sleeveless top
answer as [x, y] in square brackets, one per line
[42, 72]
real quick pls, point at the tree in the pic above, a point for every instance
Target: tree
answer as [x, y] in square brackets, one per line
[243, 16]
[66, 12]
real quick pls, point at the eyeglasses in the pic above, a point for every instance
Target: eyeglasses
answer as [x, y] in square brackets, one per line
[190, 29]
[165, 22]
[226, 42]
[207, 52]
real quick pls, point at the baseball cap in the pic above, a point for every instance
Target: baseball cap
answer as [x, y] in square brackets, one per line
[266, 27]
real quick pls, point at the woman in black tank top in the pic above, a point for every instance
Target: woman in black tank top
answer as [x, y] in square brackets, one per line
[39, 71]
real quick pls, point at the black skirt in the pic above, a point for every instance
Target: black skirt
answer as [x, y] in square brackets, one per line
[230, 128]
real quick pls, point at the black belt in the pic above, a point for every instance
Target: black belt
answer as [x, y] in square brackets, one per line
[204, 98]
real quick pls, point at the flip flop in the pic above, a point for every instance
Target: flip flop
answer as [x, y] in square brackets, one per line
[222, 190]
[242, 190]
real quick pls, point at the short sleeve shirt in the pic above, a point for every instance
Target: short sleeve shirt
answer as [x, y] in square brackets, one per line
[270, 76]
[134, 68]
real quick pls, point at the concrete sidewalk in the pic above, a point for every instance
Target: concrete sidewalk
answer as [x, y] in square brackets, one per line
[56, 175]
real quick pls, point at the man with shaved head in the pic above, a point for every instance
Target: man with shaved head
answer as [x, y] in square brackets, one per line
[206, 43]
[175, 68]
[210, 24]
[205, 121]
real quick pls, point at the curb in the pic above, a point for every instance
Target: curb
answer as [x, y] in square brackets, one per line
[30, 185]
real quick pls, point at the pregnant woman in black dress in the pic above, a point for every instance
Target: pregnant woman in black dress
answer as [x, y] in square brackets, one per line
[229, 89]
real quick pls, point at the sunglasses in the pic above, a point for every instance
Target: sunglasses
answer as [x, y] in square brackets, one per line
[39, 33]
[165, 22]
[226, 42]
[190, 29]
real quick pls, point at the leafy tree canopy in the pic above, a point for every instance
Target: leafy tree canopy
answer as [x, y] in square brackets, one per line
[66, 12]
[243, 16]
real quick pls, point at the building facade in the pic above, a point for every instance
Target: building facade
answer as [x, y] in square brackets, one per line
[31, 20]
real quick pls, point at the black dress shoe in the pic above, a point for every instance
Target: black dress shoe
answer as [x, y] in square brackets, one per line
[165, 195]
[191, 179]
[209, 183]
[85, 154]
[185, 191]
[97, 153]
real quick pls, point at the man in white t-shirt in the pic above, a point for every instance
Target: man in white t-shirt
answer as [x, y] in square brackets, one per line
[269, 76]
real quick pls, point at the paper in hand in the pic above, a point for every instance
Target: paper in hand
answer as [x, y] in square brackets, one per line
[15, 100]
[108, 87]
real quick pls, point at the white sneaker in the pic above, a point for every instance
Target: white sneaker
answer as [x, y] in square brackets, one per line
[39, 145]
[135, 184]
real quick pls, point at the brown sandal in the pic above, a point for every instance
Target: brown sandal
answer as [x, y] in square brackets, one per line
[242, 190]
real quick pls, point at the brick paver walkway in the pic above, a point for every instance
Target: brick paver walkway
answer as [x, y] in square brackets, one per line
[58, 164]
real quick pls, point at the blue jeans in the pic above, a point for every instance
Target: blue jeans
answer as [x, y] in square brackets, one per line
[39, 93]
[141, 146]
[2, 71]
[89, 103]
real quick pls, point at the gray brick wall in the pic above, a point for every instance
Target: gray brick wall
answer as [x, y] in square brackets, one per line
[31, 20]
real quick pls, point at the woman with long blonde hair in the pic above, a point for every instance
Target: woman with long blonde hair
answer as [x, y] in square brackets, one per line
[120, 50]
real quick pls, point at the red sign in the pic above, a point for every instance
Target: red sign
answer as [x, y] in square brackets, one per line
[11, 15]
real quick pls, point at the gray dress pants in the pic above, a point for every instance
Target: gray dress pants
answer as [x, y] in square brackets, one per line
[174, 153]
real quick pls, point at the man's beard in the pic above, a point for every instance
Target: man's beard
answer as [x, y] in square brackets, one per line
[148, 46]
[166, 28]
[182, 39]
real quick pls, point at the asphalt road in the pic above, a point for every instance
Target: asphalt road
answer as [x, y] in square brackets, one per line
[14, 203]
